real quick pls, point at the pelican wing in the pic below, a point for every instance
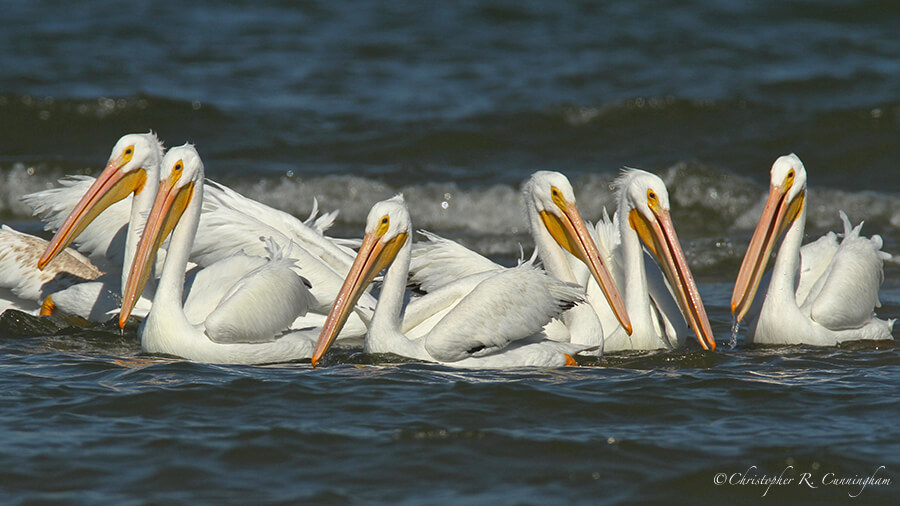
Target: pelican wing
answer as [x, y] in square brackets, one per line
[849, 288]
[513, 304]
[308, 235]
[19, 254]
[227, 229]
[205, 288]
[815, 261]
[423, 313]
[606, 236]
[529, 352]
[104, 239]
[439, 262]
[260, 306]
[232, 223]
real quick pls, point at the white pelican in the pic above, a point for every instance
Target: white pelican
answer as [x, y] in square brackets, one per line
[823, 293]
[497, 324]
[133, 157]
[245, 326]
[564, 244]
[95, 213]
[652, 303]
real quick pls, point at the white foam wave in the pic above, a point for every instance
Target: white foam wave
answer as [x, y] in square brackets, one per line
[714, 211]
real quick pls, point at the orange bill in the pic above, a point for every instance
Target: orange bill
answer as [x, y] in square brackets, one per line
[374, 255]
[111, 186]
[660, 238]
[167, 209]
[777, 215]
[572, 234]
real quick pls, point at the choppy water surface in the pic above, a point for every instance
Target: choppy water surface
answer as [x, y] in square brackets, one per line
[455, 105]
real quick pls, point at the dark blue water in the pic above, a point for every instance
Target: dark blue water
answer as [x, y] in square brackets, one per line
[455, 104]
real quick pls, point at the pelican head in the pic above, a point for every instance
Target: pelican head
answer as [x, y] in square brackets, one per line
[180, 172]
[787, 193]
[646, 206]
[126, 172]
[387, 229]
[550, 194]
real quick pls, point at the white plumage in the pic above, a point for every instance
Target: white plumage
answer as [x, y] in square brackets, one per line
[564, 244]
[493, 315]
[235, 222]
[98, 215]
[495, 323]
[440, 261]
[660, 297]
[230, 225]
[823, 293]
[24, 287]
[250, 322]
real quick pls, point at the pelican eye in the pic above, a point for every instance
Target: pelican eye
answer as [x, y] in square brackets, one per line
[789, 179]
[557, 197]
[651, 195]
[127, 154]
[176, 170]
[383, 225]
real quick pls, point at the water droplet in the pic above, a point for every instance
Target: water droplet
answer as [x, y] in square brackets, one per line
[30, 171]
[289, 173]
[445, 204]
[735, 327]
[196, 105]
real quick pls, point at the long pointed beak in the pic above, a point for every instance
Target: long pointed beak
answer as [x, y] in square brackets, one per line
[659, 236]
[777, 214]
[572, 234]
[374, 255]
[111, 186]
[167, 209]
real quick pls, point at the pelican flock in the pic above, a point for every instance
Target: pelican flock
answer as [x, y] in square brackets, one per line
[94, 213]
[220, 278]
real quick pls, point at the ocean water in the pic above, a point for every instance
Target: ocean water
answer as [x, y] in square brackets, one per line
[454, 105]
